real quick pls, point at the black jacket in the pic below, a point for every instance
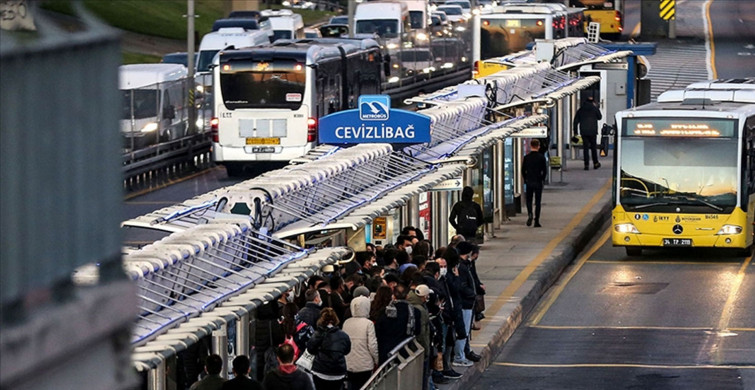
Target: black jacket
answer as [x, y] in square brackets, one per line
[467, 286]
[587, 118]
[466, 203]
[241, 383]
[391, 328]
[297, 380]
[330, 347]
[309, 314]
[534, 169]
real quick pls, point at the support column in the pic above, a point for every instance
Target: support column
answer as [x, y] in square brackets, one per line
[156, 377]
[242, 334]
[413, 211]
[220, 347]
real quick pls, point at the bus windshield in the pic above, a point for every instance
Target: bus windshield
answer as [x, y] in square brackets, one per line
[662, 173]
[261, 84]
[386, 28]
[500, 37]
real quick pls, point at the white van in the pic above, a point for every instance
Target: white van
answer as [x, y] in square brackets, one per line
[285, 24]
[388, 19]
[154, 103]
[237, 37]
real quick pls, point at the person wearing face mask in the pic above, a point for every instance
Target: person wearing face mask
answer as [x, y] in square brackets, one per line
[402, 242]
[311, 311]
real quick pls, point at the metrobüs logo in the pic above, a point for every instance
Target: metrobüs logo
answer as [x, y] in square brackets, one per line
[374, 107]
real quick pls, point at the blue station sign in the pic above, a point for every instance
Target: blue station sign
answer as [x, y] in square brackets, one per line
[374, 122]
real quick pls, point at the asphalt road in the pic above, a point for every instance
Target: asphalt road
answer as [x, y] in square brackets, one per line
[733, 28]
[667, 320]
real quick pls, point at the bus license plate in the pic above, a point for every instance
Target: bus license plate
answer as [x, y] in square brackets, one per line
[677, 242]
[263, 141]
[263, 149]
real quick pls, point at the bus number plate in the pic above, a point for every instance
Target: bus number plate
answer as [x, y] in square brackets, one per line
[263, 149]
[263, 141]
[677, 242]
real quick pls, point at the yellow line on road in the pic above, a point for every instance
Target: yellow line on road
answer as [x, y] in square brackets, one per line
[560, 288]
[621, 365]
[742, 329]
[635, 31]
[511, 289]
[709, 38]
[723, 323]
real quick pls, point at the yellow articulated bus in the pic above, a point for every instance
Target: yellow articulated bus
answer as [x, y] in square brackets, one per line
[685, 169]
[609, 13]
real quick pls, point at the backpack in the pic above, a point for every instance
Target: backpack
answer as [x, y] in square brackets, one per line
[466, 218]
[271, 358]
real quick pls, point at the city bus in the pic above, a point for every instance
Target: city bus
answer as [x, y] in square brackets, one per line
[510, 28]
[685, 170]
[609, 13]
[269, 98]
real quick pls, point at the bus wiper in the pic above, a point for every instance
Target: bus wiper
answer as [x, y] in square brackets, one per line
[642, 206]
[705, 202]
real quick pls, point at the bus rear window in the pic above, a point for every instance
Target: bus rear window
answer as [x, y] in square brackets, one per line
[261, 84]
[504, 36]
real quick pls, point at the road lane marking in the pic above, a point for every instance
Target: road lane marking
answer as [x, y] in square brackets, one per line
[710, 46]
[551, 299]
[636, 31]
[723, 323]
[598, 327]
[523, 276]
[622, 365]
[671, 262]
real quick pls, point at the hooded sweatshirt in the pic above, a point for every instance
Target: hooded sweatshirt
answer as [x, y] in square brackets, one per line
[364, 346]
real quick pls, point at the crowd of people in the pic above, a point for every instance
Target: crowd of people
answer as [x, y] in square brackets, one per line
[347, 320]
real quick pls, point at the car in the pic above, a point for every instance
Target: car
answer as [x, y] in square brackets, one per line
[299, 4]
[343, 19]
[178, 57]
[246, 24]
[465, 5]
[334, 31]
[312, 33]
[417, 62]
[454, 12]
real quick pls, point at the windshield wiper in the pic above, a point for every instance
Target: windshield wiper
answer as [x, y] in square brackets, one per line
[676, 201]
[705, 202]
[642, 206]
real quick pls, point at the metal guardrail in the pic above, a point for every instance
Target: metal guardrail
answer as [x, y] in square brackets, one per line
[403, 369]
[159, 163]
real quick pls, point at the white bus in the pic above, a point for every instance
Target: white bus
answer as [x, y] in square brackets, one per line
[285, 24]
[269, 98]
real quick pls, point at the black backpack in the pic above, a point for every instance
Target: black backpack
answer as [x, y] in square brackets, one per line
[466, 218]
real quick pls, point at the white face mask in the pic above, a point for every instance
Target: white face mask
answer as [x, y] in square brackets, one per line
[408, 250]
[443, 271]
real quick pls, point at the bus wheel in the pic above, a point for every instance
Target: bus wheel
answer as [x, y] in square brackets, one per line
[634, 251]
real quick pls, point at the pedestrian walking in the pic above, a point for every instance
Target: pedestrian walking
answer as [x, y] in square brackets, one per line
[533, 171]
[466, 215]
[586, 124]
[213, 364]
[329, 345]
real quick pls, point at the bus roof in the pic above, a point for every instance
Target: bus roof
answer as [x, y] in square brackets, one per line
[310, 51]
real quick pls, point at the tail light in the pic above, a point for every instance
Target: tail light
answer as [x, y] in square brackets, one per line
[617, 16]
[475, 68]
[214, 129]
[312, 129]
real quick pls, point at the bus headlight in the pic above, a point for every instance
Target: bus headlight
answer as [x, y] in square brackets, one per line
[625, 228]
[149, 127]
[729, 229]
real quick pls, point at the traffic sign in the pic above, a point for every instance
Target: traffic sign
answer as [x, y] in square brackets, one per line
[668, 9]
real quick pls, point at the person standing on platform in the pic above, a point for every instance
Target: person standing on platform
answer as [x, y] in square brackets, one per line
[241, 380]
[533, 172]
[213, 364]
[586, 124]
[466, 215]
